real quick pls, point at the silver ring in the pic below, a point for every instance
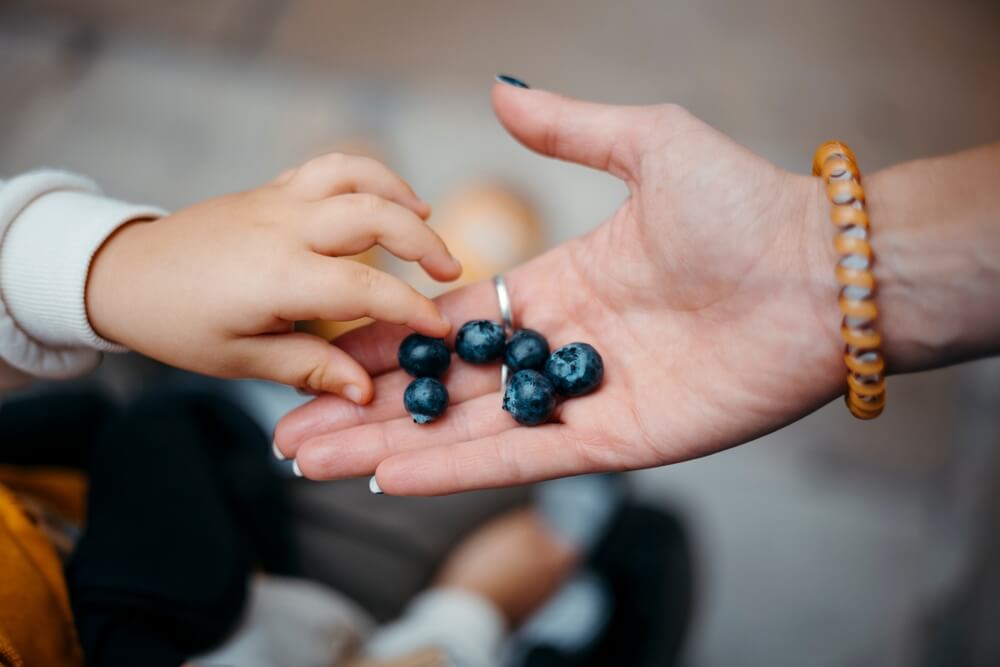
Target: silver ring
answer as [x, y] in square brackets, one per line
[506, 318]
[503, 296]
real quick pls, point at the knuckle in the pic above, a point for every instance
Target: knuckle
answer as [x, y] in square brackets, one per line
[330, 160]
[317, 376]
[322, 164]
[367, 163]
[281, 272]
[369, 205]
[672, 119]
[369, 280]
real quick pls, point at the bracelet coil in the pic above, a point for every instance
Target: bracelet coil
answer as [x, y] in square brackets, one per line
[835, 163]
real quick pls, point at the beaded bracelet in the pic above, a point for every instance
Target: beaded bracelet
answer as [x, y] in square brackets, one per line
[835, 163]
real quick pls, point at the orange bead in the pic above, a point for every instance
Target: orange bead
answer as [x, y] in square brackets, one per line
[865, 368]
[844, 192]
[845, 244]
[836, 166]
[866, 389]
[856, 277]
[862, 339]
[868, 401]
[864, 409]
[830, 149]
[847, 215]
[861, 310]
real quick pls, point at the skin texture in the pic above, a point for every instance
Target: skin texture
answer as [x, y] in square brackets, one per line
[710, 294]
[216, 288]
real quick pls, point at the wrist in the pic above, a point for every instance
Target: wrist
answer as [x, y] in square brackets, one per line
[820, 261]
[108, 279]
[936, 241]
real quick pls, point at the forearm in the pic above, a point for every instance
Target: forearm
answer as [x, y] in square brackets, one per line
[936, 238]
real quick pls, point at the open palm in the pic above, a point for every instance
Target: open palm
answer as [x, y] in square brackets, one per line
[708, 293]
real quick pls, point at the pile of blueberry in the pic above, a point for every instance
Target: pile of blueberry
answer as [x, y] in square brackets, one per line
[539, 379]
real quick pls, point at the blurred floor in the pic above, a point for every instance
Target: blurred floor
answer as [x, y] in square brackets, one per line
[824, 544]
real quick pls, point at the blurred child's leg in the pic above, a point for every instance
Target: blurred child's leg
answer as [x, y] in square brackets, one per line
[495, 578]
[162, 568]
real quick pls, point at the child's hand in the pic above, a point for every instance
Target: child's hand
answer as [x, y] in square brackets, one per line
[216, 288]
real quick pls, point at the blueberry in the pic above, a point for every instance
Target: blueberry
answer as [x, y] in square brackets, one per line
[526, 349]
[423, 357]
[425, 399]
[530, 398]
[480, 341]
[575, 369]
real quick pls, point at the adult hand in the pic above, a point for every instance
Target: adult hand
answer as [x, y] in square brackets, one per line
[709, 294]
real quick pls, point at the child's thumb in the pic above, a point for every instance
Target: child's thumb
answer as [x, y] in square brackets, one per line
[308, 362]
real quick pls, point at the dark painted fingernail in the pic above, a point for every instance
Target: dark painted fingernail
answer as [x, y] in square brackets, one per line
[511, 81]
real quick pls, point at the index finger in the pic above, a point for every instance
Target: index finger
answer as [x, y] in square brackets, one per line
[517, 456]
[332, 413]
[322, 288]
[376, 345]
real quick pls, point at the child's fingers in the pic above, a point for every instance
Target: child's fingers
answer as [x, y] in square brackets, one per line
[353, 223]
[341, 289]
[328, 414]
[307, 362]
[375, 346]
[357, 451]
[338, 173]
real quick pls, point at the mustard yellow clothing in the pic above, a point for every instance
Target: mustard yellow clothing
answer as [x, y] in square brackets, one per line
[36, 624]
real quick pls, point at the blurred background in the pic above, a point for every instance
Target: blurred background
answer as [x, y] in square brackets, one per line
[828, 543]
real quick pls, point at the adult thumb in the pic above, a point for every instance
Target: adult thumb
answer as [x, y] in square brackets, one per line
[601, 136]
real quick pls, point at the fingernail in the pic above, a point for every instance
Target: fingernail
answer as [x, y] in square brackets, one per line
[277, 452]
[458, 264]
[511, 81]
[353, 393]
[296, 469]
[374, 487]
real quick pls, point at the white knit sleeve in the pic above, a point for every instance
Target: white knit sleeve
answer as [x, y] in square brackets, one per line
[51, 225]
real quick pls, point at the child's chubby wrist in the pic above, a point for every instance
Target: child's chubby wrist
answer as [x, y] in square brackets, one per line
[112, 272]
